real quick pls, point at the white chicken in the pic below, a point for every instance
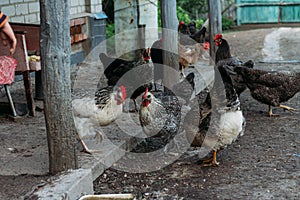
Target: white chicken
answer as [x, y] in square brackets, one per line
[90, 113]
[218, 120]
[159, 117]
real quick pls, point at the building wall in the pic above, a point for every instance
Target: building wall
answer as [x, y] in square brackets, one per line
[28, 11]
[84, 26]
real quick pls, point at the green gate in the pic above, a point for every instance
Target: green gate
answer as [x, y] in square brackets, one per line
[267, 11]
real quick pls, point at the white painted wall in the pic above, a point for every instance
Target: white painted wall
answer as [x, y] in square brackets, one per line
[28, 11]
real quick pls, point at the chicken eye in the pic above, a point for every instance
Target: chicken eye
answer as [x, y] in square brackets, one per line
[149, 96]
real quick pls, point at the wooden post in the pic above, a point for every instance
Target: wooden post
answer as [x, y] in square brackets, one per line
[215, 24]
[55, 62]
[170, 42]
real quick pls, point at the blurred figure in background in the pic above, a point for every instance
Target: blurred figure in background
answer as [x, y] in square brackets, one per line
[7, 34]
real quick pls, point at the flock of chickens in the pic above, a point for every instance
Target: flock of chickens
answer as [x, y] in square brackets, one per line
[214, 119]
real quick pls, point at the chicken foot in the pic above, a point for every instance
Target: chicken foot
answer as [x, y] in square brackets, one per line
[211, 161]
[280, 106]
[287, 108]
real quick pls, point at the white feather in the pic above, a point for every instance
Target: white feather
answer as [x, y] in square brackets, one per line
[231, 126]
[88, 117]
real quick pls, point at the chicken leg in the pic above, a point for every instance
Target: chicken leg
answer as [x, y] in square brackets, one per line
[212, 161]
[135, 110]
[270, 113]
[98, 137]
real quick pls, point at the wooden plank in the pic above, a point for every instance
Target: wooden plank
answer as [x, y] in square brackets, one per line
[170, 44]
[251, 11]
[28, 92]
[268, 4]
[215, 24]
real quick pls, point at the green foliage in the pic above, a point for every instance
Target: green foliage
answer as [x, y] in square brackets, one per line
[182, 15]
[199, 23]
[110, 30]
[196, 9]
[227, 23]
[110, 41]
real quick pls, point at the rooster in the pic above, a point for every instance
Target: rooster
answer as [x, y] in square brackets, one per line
[224, 57]
[270, 87]
[224, 119]
[90, 113]
[140, 71]
[159, 116]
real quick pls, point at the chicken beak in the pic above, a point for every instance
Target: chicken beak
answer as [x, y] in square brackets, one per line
[145, 102]
[229, 69]
[119, 99]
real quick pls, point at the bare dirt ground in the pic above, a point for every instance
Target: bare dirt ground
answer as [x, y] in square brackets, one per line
[263, 164]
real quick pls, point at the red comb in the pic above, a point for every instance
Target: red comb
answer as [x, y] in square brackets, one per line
[144, 96]
[206, 46]
[218, 36]
[181, 23]
[123, 90]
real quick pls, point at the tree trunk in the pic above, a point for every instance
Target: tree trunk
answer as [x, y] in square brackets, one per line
[170, 42]
[55, 61]
[215, 24]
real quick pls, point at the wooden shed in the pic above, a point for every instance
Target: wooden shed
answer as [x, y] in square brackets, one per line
[267, 11]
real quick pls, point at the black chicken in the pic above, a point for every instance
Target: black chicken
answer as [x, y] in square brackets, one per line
[197, 36]
[115, 70]
[192, 27]
[156, 54]
[269, 87]
[223, 57]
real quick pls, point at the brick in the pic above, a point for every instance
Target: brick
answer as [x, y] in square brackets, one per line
[78, 37]
[81, 9]
[18, 19]
[80, 21]
[73, 11]
[4, 2]
[84, 36]
[74, 3]
[9, 10]
[34, 7]
[72, 39]
[31, 18]
[72, 22]
[72, 30]
[22, 9]
[78, 29]
[84, 3]
[16, 1]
